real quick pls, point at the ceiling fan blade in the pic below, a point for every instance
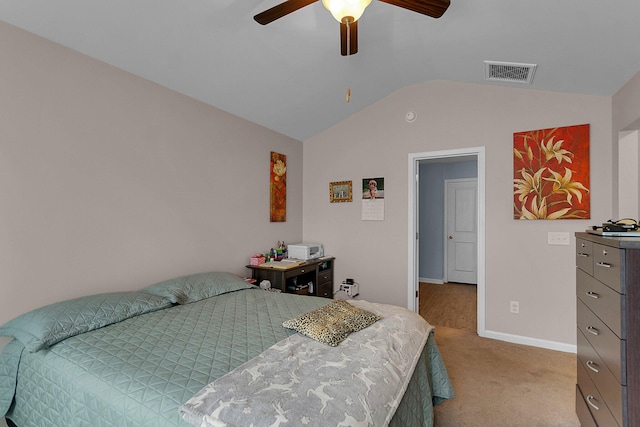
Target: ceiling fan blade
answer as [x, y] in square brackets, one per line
[433, 8]
[349, 38]
[281, 10]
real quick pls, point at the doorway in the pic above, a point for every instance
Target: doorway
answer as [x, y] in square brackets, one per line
[477, 155]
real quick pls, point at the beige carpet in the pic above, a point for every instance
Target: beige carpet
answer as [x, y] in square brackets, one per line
[499, 384]
[450, 304]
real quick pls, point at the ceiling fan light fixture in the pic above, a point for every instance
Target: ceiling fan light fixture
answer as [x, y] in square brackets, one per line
[341, 9]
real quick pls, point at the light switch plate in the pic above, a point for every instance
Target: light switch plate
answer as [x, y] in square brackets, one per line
[558, 238]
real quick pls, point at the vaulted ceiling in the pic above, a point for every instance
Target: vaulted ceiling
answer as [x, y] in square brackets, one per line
[289, 75]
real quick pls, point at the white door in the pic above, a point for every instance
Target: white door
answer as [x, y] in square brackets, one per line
[462, 233]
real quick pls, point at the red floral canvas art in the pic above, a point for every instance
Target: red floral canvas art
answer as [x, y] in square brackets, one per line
[278, 188]
[551, 173]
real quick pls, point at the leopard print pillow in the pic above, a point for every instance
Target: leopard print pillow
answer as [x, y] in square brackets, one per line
[356, 318]
[332, 323]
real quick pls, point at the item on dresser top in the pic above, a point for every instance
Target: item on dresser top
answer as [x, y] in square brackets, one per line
[257, 259]
[600, 232]
[625, 227]
[282, 264]
[306, 251]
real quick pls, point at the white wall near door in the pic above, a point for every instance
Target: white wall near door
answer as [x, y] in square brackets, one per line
[628, 178]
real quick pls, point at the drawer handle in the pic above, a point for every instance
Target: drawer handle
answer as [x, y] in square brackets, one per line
[594, 367]
[604, 264]
[582, 254]
[593, 294]
[593, 330]
[590, 398]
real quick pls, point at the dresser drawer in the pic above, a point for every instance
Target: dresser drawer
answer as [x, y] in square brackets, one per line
[609, 388]
[584, 255]
[603, 340]
[608, 266]
[606, 303]
[299, 271]
[325, 276]
[586, 420]
[325, 290]
[593, 399]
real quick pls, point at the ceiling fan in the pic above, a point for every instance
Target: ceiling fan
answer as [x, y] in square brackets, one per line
[347, 12]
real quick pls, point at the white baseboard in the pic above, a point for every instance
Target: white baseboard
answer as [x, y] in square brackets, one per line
[427, 280]
[534, 342]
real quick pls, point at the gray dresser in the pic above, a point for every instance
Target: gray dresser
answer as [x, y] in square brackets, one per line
[608, 308]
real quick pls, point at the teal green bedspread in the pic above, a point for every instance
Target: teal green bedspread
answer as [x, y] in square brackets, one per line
[139, 371]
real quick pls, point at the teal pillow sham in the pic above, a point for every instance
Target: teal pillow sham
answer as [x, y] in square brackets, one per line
[195, 287]
[45, 326]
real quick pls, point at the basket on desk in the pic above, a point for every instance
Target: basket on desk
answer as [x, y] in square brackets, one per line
[257, 259]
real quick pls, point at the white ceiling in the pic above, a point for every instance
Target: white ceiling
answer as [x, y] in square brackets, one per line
[289, 75]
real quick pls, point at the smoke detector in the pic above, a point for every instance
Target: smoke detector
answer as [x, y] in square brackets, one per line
[509, 72]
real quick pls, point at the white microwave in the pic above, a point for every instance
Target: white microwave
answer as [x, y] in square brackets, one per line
[305, 250]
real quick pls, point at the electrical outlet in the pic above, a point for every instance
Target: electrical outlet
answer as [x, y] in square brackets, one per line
[558, 238]
[514, 307]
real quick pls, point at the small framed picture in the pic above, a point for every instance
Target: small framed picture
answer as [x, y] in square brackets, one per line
[340, 191]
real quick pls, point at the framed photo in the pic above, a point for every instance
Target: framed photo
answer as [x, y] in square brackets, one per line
[373, 188]
[340, 191]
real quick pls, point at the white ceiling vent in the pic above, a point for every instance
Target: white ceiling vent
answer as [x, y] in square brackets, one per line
[509, 72]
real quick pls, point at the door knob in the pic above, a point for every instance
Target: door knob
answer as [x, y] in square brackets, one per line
[450, 237]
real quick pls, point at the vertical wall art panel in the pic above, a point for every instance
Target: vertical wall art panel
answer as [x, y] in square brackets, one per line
[278, 187]
[551, 173]
[373, 199]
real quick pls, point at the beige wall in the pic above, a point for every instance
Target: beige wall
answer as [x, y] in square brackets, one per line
[626, 106]
[626, 124]
[519, 264]
[109, 182]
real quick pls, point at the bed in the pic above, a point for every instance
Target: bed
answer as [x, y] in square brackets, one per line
[146, 358]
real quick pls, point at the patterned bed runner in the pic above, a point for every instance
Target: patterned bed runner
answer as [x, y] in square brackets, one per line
[300, 382]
